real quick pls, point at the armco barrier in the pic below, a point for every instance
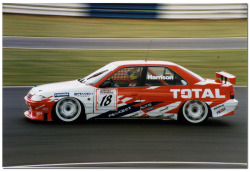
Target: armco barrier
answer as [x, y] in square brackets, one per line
[59, 9]
[131, 10]
[202, 11]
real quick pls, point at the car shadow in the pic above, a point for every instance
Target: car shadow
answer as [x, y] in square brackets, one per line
[209, 123]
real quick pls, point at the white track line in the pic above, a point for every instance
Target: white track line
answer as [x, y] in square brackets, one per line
[128, 163]
[17, 86]
[240, 86]
[121, 38]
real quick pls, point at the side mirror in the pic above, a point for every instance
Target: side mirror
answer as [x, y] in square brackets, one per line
[106, 84]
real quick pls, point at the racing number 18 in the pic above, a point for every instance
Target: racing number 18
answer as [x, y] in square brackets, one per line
[107, 101]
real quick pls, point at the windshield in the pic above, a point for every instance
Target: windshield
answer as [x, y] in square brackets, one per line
[96, 76]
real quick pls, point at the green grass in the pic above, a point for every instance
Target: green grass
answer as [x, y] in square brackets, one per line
[34, 67]
[52, 26]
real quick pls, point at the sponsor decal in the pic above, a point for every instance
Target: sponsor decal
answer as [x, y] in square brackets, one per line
[106, 91]
[126, 109]
[39, 113]
[151, 77]
[120, 112]
[196, 93]
[169, 115]
[218, 107]
[220, 111]
[146, 105]
[66, 94]
[150, 109]
[83, 94]
[164, 109]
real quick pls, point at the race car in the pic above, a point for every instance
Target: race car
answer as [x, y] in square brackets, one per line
[135, 89]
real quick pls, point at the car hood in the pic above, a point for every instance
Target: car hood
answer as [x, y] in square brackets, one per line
[58, 87]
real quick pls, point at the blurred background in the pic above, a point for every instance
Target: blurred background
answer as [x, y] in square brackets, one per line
[32, 64]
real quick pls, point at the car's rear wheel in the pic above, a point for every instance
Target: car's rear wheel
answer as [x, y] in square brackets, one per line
[68, 109]
[195, 111]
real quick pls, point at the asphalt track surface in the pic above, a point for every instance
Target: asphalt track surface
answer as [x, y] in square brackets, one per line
[220, 143]
[124, 43]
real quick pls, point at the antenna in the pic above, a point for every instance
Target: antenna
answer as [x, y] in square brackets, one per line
[149, 46]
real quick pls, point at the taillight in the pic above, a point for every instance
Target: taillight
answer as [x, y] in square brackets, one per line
[231, 95]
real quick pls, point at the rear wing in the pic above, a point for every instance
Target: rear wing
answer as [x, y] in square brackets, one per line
[226, 76]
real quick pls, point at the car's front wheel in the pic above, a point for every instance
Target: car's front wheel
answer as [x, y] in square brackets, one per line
[195, 111]
[68, 109]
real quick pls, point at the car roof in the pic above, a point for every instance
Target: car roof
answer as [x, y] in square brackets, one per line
[141, 62]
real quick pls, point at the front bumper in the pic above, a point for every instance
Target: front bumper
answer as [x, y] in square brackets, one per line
[38, 110]
[34, 115]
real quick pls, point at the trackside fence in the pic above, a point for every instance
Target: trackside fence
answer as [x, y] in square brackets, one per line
[132, 10]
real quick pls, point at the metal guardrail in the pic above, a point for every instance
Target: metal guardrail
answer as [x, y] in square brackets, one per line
[132, 10]
[203, 11]
[62, 9]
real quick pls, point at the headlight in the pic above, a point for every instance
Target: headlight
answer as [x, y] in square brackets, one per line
[36, 97]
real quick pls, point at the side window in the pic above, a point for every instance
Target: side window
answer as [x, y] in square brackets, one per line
[163, 76]
[125, 77]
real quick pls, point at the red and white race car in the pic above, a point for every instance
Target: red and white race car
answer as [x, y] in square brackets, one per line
[135, 89]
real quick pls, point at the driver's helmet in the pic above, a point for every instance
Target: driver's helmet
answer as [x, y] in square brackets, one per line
[133, 74]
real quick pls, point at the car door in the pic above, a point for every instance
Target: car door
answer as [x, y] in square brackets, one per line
[159, 96]
[120, 94]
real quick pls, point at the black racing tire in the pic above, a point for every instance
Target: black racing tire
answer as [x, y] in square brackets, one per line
[68, 109]
[194, 112]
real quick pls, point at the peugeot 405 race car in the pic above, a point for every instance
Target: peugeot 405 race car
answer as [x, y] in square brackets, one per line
[135, 89]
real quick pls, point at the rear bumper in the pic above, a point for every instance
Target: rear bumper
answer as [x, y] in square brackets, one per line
[225, 109]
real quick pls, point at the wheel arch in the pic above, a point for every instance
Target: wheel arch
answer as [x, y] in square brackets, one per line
[53, 110]
[180, 116]
[209, 110]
